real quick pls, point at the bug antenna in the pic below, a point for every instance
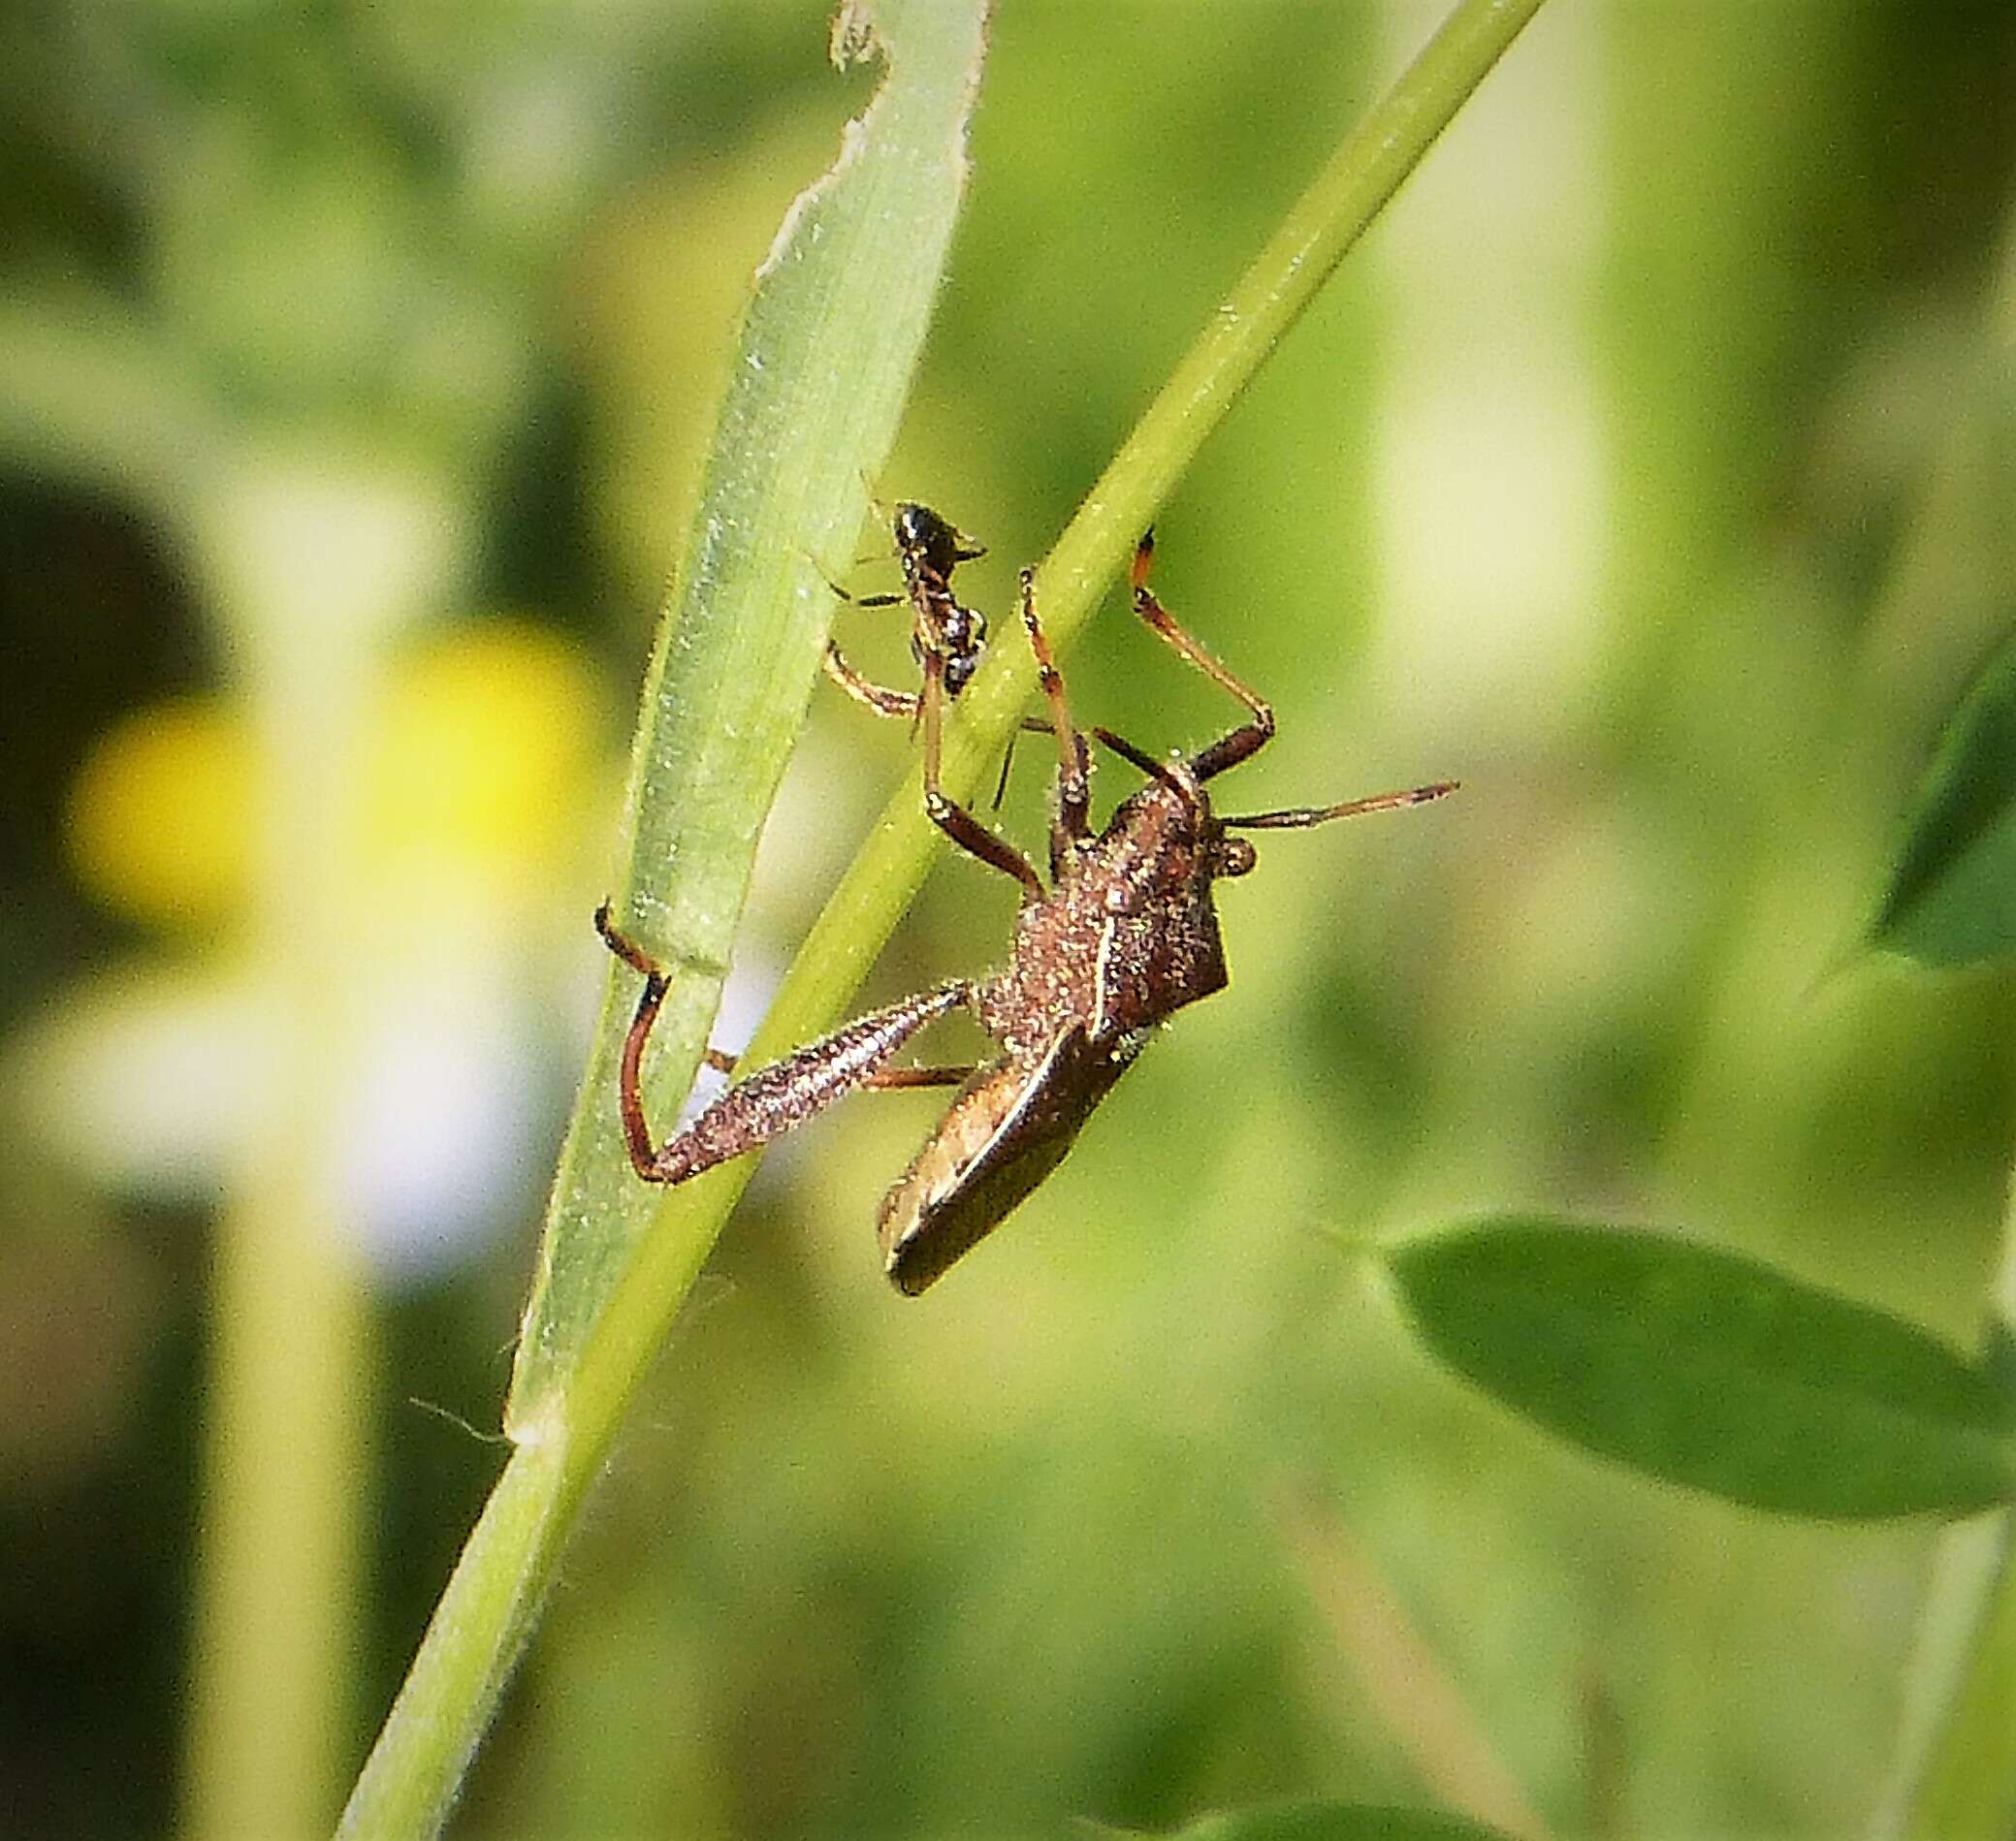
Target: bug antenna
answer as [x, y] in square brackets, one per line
[1301, 817]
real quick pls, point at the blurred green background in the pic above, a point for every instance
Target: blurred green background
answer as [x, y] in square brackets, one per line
[1651, 468]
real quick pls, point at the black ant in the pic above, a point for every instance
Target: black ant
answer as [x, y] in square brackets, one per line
[1124, 936]
[947, 638]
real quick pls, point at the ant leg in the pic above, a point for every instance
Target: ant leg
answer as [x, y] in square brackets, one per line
[1248, 739]
[945, 812]
[854, 600]
[876, 697]
[1070, 825]
[776, 1098]
[1301, 817]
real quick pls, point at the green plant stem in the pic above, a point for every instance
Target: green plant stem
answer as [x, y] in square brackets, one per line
[507, 1563]
[280, 1564]
[1954, 1773]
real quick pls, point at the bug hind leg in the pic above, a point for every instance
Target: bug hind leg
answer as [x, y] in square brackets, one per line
[946, 813]
[777, 1097]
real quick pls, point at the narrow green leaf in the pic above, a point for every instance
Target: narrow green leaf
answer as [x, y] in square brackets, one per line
[1952, 897]
[820, 368]
[821, 365]
[1334, 1822]
[1711, 1369]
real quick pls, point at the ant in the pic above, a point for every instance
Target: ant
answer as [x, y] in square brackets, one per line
[1124, 936]
[947, 638]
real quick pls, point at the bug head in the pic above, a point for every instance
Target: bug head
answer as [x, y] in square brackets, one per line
[1230, 856]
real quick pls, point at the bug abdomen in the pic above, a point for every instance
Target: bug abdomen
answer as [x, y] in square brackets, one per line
[1005, 1130]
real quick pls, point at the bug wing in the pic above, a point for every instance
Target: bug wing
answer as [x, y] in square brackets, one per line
[1005, 1130]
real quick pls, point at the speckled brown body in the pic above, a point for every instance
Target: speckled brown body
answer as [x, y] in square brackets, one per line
[1127, 936]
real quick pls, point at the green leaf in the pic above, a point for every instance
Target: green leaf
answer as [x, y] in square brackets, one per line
[821, 365]
[1334, 1822]
[1952, 897]
[1711, 1369]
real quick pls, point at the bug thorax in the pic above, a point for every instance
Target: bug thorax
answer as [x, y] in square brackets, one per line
[1130, 934]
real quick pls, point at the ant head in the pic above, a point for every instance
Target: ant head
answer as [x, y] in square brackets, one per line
[920, 527]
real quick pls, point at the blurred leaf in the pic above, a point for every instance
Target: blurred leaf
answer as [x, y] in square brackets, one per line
[1333, 1822]
[1952, 899]
[1711, 1369]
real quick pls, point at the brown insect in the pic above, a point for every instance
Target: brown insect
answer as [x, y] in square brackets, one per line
[1125, 935]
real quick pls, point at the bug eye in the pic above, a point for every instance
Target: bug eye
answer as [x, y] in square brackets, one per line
[1233, 856]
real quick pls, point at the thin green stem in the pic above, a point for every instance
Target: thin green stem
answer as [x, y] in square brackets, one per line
[1954, 1778]
[281, 1561]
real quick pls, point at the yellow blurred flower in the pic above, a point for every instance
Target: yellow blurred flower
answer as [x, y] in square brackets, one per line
[160, 813]
[485, 749]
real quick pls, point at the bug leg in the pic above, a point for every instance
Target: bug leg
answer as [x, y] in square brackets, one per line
[888, 1079]
[1008, 761]
[1134, 756]
[777, 1098]
[1069, 824]
[636, 1130]
[945, 812]
[1250, 736]
[1030, 726]
[876, 697]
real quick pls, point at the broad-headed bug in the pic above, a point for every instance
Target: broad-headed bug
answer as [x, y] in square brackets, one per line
[1125, 935]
